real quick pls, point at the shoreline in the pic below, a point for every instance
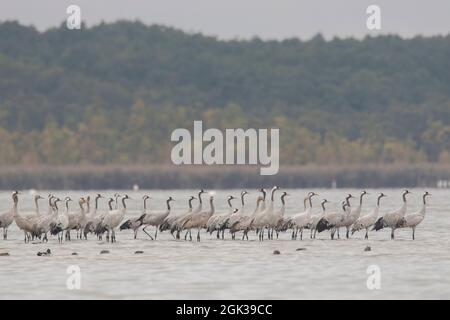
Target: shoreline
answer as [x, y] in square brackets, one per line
[90, 177]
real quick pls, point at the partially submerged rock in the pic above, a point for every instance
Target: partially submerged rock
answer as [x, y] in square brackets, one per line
[276, 252]
[368, 248]
[104, 251]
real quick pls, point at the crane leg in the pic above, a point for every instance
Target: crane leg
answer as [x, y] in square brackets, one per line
[348, 233]
[413, 233]
[367, 234]
[156, 232]
[392, 234]
[147, 233]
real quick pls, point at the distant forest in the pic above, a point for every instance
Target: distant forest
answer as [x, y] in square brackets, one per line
[113, 93]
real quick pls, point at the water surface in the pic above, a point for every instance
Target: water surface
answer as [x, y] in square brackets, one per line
[216, 269]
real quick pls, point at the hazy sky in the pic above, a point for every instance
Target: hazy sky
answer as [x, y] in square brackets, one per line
[246, 18]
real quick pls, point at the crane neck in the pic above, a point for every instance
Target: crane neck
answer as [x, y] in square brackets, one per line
[81, 208]
[273, 194]
[242, 199]
[15, 203]
[36, 204]
[168, 204]
[378, 201]
[347, 201]
[282, 199]
[50, 205]
[258, 204]
[211, 204]
[200, 202]
[424, 199]
[145, 204]
[96, 203]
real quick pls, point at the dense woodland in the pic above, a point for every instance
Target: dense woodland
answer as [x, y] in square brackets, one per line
[113, 93]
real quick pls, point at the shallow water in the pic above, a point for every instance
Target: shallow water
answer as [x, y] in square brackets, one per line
[216, 269]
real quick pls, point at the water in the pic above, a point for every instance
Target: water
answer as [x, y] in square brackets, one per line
[213, 269]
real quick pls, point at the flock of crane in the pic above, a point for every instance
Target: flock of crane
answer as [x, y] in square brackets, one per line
[264, 217]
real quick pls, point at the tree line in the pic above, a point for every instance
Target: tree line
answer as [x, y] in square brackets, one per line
[113, 93]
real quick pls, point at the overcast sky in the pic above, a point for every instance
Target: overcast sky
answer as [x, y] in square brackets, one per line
[246, 18]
